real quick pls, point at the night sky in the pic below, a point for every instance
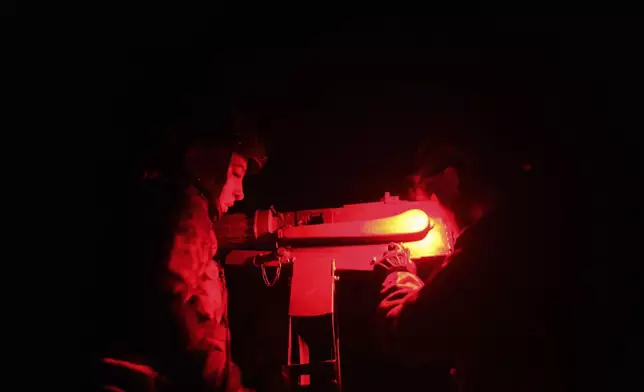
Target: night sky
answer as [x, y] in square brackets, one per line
[344, 98]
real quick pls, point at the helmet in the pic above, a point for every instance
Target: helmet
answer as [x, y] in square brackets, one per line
[478, 163]
[209, 146]
[222, 135]
[433, 157]
[247, 143]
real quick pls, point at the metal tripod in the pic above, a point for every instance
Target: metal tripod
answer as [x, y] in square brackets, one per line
[314, 345]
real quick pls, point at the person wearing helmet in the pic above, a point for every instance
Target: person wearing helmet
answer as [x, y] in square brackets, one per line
[488, 310]
[163, 323]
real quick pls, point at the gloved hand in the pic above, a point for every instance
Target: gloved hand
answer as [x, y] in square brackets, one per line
[397, 258]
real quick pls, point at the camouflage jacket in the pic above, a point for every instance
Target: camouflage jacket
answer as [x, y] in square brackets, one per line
[167, 307]
[200, 285]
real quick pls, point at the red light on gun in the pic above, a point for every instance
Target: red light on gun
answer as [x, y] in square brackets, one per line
[414, 221]
[406, 226]
[435, 243]
[411, 221]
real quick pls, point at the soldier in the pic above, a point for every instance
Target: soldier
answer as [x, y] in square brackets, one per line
[163, 320]
[488, 310]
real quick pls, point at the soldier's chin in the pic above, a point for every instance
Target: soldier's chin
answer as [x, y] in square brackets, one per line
[223, 209]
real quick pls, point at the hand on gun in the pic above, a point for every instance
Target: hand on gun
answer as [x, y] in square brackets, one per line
[397, 258]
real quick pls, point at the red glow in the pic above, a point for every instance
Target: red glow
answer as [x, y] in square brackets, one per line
[435, 243]
[408, 224]
[411, 221]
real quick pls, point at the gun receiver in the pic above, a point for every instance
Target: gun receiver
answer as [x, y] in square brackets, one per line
[352, 234]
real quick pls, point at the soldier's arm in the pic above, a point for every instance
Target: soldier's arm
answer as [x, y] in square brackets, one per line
[219, 368]
[191, 286]
[201, 297]
[422, 321]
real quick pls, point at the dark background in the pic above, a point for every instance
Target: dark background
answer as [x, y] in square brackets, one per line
[345, 95]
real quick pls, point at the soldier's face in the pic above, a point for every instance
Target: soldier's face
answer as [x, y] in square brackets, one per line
[233, 189]
[441, 187]
[416, 188]
[445, 186]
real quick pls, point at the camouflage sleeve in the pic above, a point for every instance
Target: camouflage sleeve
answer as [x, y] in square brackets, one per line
[219, 368]
[200, 294]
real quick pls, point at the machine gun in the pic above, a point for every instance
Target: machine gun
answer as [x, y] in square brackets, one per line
[318, 243]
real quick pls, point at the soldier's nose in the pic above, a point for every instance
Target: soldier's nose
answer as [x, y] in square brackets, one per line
[239, 195]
